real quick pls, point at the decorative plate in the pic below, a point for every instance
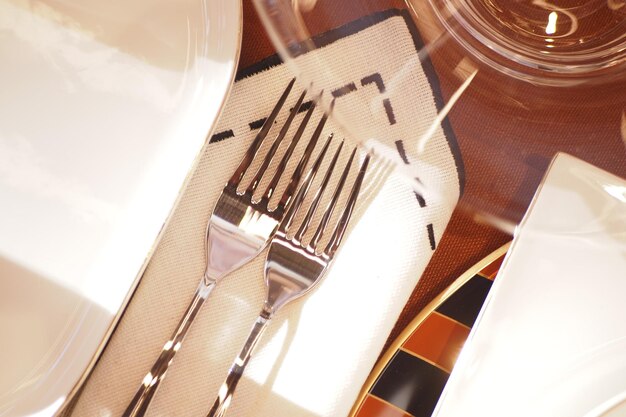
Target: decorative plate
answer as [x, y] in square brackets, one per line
[409, 378]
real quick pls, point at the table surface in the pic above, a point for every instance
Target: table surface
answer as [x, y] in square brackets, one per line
[467, 241]
[514, 176]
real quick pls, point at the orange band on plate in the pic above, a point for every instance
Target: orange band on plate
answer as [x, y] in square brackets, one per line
[438, 339]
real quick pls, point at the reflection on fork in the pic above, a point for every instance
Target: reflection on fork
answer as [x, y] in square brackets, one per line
[238, 230]
[292, 267]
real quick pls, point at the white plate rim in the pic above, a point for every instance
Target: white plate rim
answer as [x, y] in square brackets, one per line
[72, 395]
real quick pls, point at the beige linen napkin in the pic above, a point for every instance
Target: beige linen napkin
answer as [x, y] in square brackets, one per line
[318, 351]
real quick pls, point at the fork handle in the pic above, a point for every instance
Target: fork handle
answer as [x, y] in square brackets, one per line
[138, 406]
[227, 390]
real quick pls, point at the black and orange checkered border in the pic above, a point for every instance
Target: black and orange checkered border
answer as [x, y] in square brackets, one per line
[410, 377]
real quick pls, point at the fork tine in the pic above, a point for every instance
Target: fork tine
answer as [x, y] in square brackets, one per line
[304, 188]
[332, 204]
[256, 144]
[335, 239]
[297, 174]
[283, 162]
[318, 195]
[270, 154]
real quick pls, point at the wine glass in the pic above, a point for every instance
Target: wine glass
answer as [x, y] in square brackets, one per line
[519, 81]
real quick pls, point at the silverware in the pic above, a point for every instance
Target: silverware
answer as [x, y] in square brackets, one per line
[238, 230]
[293, 268]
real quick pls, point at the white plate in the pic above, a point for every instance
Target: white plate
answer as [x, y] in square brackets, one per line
[104, 106]
[551, 338]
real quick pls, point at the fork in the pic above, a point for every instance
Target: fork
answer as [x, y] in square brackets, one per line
[238, 230]
[293, 268]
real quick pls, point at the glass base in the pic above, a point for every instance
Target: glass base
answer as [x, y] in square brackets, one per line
[557, 42]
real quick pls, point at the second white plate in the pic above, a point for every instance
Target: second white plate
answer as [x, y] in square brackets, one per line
[550, 340]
